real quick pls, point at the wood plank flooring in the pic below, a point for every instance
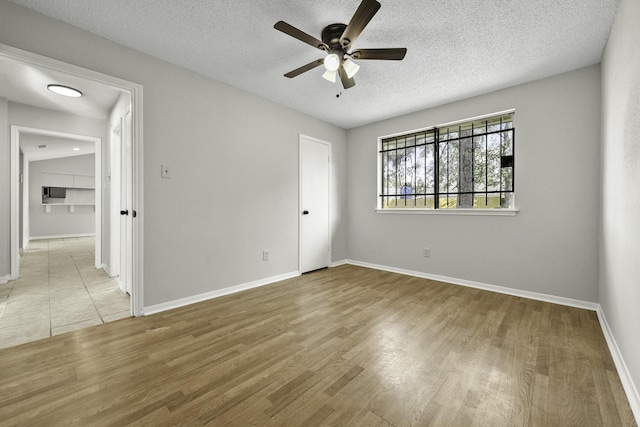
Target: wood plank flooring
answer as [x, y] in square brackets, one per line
[341, 346]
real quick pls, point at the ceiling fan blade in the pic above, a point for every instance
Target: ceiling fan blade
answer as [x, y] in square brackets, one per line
[346, 81]
[394, 54]
[300, 35]
[304, 68]
[360, 19]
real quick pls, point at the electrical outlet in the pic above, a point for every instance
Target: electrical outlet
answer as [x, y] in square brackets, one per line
[165, 171]
[265, 255]
[426, 252]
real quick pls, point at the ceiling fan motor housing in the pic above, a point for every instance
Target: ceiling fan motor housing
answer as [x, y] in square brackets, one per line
[331, 37]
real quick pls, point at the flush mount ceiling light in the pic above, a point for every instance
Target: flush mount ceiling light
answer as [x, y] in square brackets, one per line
[76, 148]
[64, 90]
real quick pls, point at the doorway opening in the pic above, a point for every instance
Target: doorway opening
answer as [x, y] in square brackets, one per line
[82, 191]
[43, 66]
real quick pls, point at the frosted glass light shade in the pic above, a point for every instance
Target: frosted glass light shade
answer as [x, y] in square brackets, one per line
[350, 67]
[330, 75]
[65, 90]
[331, 62]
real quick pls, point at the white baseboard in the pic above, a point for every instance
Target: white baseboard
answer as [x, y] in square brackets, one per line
[215, 294]
[625, 377]
[484, 286]
[5, 279]
[61, 236]
[623, 372]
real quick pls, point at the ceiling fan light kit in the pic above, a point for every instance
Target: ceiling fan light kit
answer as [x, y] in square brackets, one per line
[330, 76]
[336, 42]
[350, 67]
[331, 62]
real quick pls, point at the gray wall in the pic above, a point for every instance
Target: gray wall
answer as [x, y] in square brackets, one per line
[619, 244]
[550, 246]
[234, 158]
[59, 222]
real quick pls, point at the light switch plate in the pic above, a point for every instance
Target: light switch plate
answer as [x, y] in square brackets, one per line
[165, 171]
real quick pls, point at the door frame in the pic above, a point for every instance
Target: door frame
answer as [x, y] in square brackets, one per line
[300, 207]
[125, 177]
[135, 91]
[16, 131]
[114, 202]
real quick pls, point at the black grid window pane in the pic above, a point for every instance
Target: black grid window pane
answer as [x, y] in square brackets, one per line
[466, 165]
[408, 170]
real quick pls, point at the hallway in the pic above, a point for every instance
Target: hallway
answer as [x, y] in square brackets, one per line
[59, 290]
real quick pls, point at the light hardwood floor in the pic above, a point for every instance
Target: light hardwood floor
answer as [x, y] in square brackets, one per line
[342, 346]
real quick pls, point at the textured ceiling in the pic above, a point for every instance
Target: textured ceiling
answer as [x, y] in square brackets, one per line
[456, 48]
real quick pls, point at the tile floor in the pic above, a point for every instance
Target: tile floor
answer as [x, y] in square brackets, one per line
[59, 290]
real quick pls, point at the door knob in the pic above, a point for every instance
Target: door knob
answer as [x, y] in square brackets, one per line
[305, 212]
[124, 212]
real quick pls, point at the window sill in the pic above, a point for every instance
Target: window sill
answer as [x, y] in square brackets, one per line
[472, 212]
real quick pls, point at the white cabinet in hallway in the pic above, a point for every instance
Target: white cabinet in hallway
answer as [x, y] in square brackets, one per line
[68, 180]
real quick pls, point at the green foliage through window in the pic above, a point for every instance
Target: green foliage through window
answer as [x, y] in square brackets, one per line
[465, 165]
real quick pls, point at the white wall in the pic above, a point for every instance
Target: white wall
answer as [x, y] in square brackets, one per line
[620, 239]
[234, 158]
[59, 222]
[550, 246]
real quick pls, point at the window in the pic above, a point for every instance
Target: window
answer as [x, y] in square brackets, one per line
[466, 165]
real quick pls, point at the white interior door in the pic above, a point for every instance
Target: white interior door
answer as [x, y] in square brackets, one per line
[126, 206]
[315, 244]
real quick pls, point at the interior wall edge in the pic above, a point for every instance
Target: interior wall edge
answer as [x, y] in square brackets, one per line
[626, 379]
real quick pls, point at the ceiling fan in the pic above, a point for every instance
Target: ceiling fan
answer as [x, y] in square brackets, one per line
[336, 42]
